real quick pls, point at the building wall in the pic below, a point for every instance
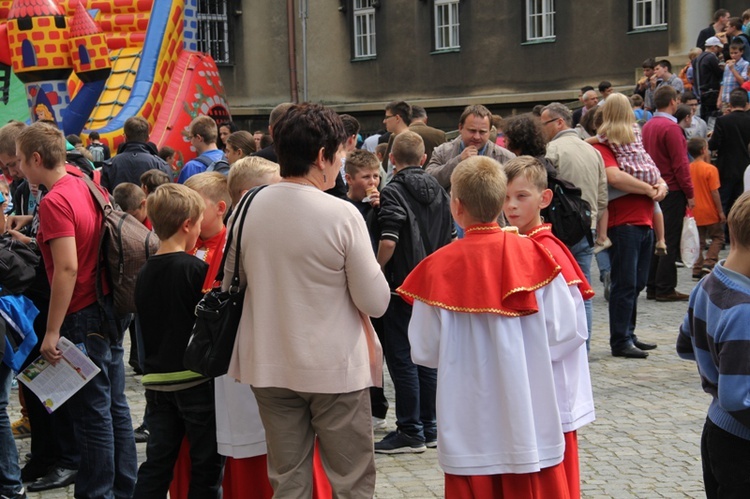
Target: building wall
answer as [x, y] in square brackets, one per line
[493, 65]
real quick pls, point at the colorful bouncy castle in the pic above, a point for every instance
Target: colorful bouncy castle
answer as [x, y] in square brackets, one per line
[89, 65]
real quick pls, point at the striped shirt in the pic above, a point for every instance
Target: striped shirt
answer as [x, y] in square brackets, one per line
[715, 335]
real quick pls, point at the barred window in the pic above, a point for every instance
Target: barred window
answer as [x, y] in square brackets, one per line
[446, 25]
[364, 28]
[540, 20]
[649, 14]
[213, 30]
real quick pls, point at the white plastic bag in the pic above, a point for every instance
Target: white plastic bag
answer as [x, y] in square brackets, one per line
[690, 244]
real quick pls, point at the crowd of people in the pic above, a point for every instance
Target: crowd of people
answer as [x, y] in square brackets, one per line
[428, 253]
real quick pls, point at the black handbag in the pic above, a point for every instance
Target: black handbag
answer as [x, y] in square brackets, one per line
[218, 313]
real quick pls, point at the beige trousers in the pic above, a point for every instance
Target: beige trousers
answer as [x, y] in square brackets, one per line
[343, 425]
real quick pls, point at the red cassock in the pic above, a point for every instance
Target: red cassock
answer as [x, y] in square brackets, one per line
[501, 283]
[244, 478]
[573, 277]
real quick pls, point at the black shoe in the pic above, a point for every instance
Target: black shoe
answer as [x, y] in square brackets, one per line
[141, 434]
[644, 346]
[650, 295]
[34, 469]
[399, 443]
[630, 352]
[56, 478]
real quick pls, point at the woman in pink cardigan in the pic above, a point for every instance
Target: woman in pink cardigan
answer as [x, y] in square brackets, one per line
[305, 342]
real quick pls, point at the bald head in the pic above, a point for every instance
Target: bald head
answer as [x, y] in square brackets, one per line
[590, 99]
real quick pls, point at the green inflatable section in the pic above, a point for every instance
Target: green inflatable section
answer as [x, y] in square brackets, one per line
[17, 108]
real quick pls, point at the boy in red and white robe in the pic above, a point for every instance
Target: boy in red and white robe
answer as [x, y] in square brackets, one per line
[491, 312]
[527, 194]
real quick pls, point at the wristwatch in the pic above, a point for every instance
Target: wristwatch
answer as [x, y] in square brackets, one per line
[33, 245]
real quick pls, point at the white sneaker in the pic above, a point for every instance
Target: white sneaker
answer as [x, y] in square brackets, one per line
[379, 423]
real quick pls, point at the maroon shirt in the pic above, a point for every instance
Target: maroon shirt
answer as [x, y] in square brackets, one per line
[665, 143]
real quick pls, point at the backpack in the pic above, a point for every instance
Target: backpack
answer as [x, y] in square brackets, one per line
[77, 159]
[220, 165]
[568, 212]
[124, 247]
[97, 153]
[18, 264]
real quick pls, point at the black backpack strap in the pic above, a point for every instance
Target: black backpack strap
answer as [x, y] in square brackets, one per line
[242, 208]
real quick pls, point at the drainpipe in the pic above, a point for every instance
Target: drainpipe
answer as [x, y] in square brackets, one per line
[292, 51]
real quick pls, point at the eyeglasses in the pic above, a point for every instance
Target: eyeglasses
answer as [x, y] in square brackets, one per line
[550, 121]
[389, 116]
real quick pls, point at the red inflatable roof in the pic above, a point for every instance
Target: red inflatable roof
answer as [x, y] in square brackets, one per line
[82, 24]
[34, 8]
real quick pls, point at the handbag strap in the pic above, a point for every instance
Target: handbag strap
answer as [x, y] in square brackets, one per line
[241, 214]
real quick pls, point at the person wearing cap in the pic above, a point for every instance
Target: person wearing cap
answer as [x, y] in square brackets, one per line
[708, 73]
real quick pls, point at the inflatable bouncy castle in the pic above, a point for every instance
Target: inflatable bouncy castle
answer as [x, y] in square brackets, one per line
[89, 65]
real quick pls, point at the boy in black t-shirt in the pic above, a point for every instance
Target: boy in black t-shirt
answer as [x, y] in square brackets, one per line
[178, 402]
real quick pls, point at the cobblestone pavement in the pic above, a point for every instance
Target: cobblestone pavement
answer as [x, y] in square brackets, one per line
[644, 443]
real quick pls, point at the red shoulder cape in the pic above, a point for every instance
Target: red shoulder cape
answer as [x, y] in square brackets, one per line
[562, 255]
[489, 271]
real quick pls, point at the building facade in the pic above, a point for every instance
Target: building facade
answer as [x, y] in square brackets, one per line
[357, 55]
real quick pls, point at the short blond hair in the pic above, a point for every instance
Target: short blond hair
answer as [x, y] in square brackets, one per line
[44, 139]
[247, 173]
[170, 205]
[128, 196]
[360, 159]
[407, 149]
[528, 167]
[211, 185]
[480, 184]
[739, 222]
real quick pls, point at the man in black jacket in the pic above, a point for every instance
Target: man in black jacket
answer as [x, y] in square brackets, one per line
[730, 139]
[134, 157]
[707, 74]
[415, 220]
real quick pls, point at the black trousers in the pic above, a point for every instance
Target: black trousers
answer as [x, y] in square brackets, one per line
[662, 276]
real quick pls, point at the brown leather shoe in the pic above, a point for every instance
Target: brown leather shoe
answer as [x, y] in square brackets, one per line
[673, 296]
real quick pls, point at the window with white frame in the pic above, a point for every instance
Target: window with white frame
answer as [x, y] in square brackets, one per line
[213, 30]
[540, 20]
[446, 25]
[649, 13]
[364, 28]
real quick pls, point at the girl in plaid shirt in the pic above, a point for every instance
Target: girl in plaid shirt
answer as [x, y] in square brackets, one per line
[622, 134]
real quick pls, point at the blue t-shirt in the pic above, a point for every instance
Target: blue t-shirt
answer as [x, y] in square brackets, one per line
[194, 167]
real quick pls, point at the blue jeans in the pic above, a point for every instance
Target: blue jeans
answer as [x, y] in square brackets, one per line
[100, 412]
[602, 261]
[10, 472]
[170, 416]
[415, 386]
[630, 253]
[583, 252]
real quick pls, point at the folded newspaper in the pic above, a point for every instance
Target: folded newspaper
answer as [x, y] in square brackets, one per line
[54, 384]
